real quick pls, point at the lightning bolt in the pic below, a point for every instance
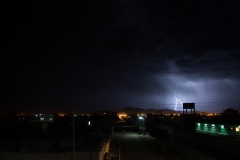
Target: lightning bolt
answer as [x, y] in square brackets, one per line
[176, 101]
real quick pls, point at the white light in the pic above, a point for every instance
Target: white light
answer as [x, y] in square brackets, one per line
[36, 115]
[176, 101]
[89, 123]
[140, 117]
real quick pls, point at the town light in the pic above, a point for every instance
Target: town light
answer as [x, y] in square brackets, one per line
[140, 117]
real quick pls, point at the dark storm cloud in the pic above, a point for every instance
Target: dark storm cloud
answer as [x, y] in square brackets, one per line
[123, 53]
[218, 64]
[157, 35]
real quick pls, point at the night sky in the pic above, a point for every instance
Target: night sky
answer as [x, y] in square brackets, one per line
[99, 54]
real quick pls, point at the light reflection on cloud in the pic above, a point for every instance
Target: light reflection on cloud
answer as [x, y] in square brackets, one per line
[201, 90]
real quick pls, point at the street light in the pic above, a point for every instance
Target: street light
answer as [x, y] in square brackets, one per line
[142, 129]
[142, 119]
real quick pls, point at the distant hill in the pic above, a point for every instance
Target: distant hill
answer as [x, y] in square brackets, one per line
[134, 110]
[131, 110]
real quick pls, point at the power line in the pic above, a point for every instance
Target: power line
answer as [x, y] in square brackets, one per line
[85, 107]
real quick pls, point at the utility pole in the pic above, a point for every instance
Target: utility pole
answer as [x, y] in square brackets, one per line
[161, 116]
[119, 148]
[73, 137]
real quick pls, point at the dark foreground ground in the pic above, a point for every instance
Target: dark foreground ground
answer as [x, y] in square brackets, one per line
[134, 146]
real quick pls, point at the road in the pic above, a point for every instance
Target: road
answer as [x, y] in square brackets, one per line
[134, 148]
[138, 147]
[176, 151]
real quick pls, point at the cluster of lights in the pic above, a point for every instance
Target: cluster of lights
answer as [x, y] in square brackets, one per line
[213, 125]
[172, 114]
[212, 128]
[206, 124]
[213, 114]
[62, 115]
[75, 115]
[122, 115]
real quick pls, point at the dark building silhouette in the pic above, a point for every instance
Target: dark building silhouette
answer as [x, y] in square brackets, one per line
[230, 111]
